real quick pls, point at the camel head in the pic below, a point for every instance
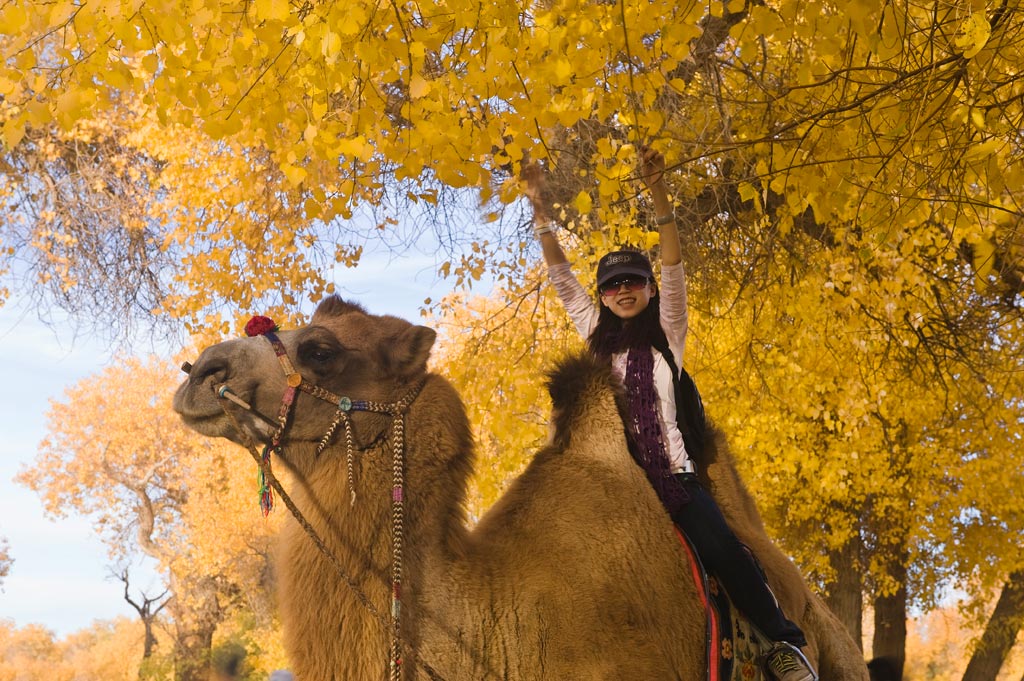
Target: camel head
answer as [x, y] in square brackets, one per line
[344, 350]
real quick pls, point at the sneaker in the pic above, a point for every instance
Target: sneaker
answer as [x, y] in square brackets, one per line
[787, 663]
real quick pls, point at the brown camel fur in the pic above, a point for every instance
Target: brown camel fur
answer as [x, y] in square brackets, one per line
[575, 574]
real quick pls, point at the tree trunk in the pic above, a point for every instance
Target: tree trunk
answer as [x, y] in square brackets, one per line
[1000, 632]
[148, 610]
[845, 595]
[890, 640]
[195, 625]
[192, 655]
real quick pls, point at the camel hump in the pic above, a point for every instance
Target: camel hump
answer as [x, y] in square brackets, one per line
[576, 376]
[583, 387]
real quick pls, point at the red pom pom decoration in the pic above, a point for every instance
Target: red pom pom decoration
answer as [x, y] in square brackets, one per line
[259, 325]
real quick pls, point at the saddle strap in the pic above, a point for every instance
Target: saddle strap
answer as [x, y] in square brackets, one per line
[713, 644]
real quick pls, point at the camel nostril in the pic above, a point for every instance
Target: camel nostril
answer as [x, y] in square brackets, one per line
[213, 369]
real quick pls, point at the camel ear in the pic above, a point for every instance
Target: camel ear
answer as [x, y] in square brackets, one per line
[409, 352]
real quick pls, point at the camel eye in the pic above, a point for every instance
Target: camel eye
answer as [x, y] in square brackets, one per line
[321, 355]
[318, 355]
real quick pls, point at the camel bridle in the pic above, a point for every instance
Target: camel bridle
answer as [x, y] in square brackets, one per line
[345, 406]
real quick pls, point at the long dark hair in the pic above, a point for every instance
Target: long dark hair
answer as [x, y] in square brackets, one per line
[613, 334]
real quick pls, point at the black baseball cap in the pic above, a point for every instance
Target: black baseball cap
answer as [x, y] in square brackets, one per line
[623, 264]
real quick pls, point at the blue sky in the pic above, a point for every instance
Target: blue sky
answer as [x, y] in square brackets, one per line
[61, 574]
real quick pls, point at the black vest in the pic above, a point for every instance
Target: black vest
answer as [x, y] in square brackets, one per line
[689, 411]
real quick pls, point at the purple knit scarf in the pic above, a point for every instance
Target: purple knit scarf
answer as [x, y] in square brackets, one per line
[646, 428]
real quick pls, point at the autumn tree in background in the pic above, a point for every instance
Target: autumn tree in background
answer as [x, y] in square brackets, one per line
[118, 455]
[30, 653]
[148, 609]
[125, 224]
[495, 350]
[105, 650]
[849, 171]
[5, 559]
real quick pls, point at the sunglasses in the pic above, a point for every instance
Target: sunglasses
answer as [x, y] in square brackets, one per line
[631, 283]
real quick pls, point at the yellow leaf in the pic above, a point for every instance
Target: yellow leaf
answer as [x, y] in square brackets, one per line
[356, 147]
[418, 86]
[562, 71]
[583, 203]
[785, 223]
[984, 262]
[312, 209]
[979, 151]
[973, 34]
[294, 173]
[764, 21]
[69, 108]
[275, 10]
[351, 22]
[7, 85]
[151, 63]
[13, 132]
[748, 192]
[651, 122]
[26, 61]
[12, 19]
[219, 127]
[60, 13]
[331, 44]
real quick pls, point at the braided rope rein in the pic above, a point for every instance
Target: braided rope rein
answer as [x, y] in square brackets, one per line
[397, 412]
[269, 482]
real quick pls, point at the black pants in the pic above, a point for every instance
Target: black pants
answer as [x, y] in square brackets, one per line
[723, 554]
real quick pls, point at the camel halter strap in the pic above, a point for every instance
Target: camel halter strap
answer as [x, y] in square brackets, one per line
[345, 405]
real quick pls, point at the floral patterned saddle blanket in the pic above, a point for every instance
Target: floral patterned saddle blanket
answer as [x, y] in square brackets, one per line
[735, 647]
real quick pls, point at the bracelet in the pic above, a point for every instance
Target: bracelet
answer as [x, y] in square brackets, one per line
[548, 227]
[665, 219]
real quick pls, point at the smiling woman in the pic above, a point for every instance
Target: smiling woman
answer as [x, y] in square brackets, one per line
[626, 283]
[642, 335]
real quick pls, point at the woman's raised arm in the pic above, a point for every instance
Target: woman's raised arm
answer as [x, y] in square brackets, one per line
[652, 170]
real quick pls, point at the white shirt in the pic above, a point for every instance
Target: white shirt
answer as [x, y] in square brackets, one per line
[584, 314]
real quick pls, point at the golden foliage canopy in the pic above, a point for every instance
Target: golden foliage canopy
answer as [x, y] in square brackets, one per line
[867, 126]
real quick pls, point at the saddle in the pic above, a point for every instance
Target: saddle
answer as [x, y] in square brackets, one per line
[735, 647]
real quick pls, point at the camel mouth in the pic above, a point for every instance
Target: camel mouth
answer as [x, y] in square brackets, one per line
[242, 428]
[209, 425]
[199, 411]
[203, 412]
[193, 404]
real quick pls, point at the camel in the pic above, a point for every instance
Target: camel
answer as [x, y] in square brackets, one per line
[574, 574]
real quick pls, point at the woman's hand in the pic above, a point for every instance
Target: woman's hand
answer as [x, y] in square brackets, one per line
[534, 184]
[533, 180]
[652, 167]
